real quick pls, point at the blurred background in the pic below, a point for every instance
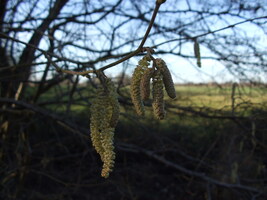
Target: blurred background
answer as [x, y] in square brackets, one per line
[212, 143]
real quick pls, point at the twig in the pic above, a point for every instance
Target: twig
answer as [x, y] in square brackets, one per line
[150, 25]
[3, 35]
[137, 51]
[57, 118]
[131, 54]
[233, 98]
[150, 154]
[210, 32]
[134, 149]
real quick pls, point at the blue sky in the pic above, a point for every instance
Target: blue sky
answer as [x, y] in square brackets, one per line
[183, 70]
[186, 70]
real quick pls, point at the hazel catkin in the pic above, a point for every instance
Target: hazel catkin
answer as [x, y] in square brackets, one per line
[158, 96]
[108, 155]
[114, 104]
[167, 78]
[135, 85]
[104, 117]
[97, 113]
[197, 52]
[145, 83]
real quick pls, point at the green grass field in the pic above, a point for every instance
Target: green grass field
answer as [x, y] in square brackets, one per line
[218, 98]
[197, 96]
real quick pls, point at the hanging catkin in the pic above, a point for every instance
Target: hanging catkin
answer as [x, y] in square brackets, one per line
[167, 78]
[109, 155]
[197, 52]
[158, 95]
[145, 83]
[104, 117]
[135, 85]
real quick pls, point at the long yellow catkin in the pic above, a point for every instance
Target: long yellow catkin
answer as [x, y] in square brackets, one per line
[109, 154]
[135, 85]
[167, 78]
[104, 117]
[97, 113]
[158, 96]
[145, 83]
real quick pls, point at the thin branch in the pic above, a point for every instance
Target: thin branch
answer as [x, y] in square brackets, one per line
[210, 32]
[150, 25]
[132, 148]
[3, 35]
[131, 54]
[46, 113]
[137, 51]
[151, 154]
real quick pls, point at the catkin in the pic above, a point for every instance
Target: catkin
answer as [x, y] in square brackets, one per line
[167, 78]
[97, 113]
[135, 91]
[135, 85]
[197, 53]
[104, 117]
[109, 155]
[158, 96]
[145, 83]
[114, 104]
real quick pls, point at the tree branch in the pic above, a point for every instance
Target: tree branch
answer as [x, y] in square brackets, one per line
[133, 148]
[210, 32]
[151, 154]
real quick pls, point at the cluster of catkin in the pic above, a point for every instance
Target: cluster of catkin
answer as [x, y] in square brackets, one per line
[104, 117]
[140, 85]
